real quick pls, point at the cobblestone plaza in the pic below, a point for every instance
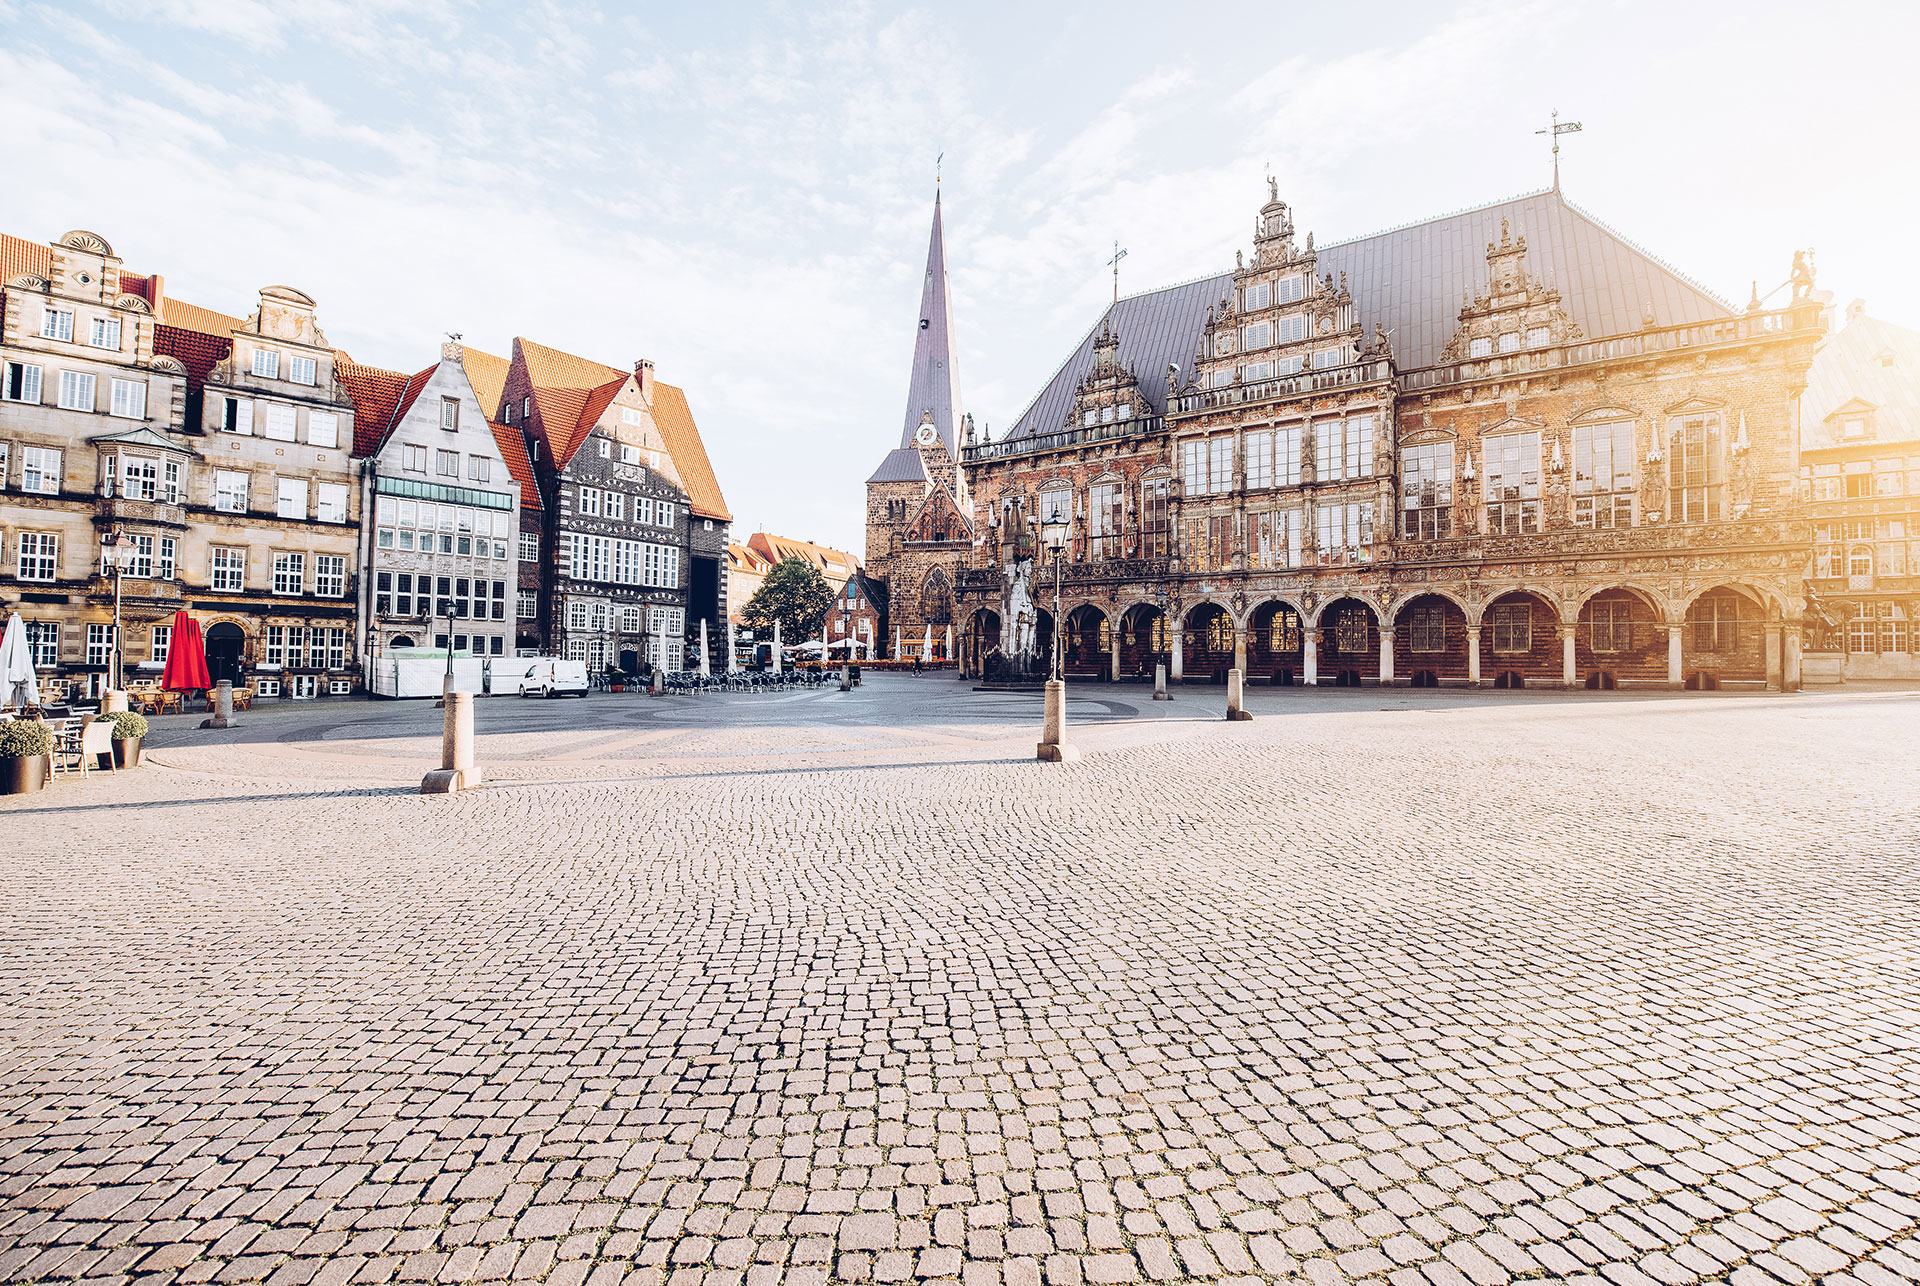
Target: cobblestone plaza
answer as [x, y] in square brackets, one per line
[1384, 985]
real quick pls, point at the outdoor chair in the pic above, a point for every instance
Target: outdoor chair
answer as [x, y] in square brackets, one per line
[96, 739]
[67, 755]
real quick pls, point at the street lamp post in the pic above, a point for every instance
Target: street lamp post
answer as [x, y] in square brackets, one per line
[110, 545]
[1053, 736]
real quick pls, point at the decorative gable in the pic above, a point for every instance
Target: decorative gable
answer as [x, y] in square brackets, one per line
[1109, 392]
[1513, 313]
[938, 520]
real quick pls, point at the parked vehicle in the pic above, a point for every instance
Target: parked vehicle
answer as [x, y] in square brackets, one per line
[552, 676]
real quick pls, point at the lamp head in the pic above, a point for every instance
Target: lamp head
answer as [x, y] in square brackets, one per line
[1053, 530]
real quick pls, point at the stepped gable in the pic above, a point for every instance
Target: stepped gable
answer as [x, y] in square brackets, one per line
[1413, 281]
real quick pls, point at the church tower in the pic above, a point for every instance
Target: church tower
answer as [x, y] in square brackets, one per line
[917, 509]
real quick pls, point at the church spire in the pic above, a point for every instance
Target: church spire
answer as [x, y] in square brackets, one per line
[933, 391]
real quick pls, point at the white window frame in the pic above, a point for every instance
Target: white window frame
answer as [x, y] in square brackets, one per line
[323, 429]
[22, 378]
[41, 470]
[104, 333]
[230, 489]
[303, 370]
[37, 557]
[79, 391]
[129, 399]
[281, 423]
[329, 575]
[266, 363]
[57, 323]
[330, 504]
[290, 494]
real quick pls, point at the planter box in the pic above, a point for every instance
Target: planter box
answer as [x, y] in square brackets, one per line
[126, 752]
[23, 776]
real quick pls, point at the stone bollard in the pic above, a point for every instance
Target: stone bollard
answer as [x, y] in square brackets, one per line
[222, 706]
[457, 770]
[846, 679]
[1054, 747]
[112, 700]
[1160, 683]
[658, 684]
[1236, 684]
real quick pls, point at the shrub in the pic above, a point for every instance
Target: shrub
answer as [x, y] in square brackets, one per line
[24, 739]
[128, 724]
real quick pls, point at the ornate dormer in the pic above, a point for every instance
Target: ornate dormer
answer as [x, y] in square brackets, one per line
[1273, 229]
[1109, 392]
[1514, 312]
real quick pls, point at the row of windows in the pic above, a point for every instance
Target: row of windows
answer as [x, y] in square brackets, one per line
[1508, 342]
[1862, 479]
[420, 526]
[407, 595]
[148, 557]
[300, 369]
[76, 390]
[446, 464]
[231, 490]
[596, 502]
[1887, 558]
[622, 618]
[1342, 450]
[620, 562]
[276, 421]
[298, 647]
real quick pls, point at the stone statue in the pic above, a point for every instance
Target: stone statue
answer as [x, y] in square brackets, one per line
[1802, 277]
[1273, 188]
[1821, 626]
[1382, 346]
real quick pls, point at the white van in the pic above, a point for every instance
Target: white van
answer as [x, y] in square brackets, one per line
[551, 676]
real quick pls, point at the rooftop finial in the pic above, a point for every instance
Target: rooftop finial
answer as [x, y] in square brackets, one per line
[936, 166]
[1554, 131]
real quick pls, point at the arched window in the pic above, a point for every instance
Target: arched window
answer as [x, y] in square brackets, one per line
[1860, 561]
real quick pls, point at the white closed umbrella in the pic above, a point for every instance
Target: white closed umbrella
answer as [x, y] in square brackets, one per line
[776, 645]
[733, 651]
[926, 644]
[16, 666]
[949, 642]
[706, 668]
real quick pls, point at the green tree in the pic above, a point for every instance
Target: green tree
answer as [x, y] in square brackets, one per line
[795, 594]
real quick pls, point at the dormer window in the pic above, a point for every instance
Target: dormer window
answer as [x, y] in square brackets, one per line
[1854, 426]
[450, 413]
[266, 364]
[1480, 347]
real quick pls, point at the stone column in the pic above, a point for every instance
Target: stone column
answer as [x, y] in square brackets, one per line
[1386, 653]
[457, 770]
[1239, 649]
[1054, 747]
[1160, 682]
[1310, 656]
[1236, 696]
[1473, 655]
[1775, 645]
[1790, 662]
[1568, 675]
[222, 706]
[1179, 650]
[1674, 676]
[1113, 637]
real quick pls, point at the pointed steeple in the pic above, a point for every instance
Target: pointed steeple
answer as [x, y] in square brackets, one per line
[933, 392]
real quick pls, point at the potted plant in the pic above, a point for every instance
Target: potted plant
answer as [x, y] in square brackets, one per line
[129, 726]
[25, 748]
[616, 678]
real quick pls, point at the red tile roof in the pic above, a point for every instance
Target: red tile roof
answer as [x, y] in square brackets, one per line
[132, 283]
[514, 448]
[598, 400]
[488, 376]
[675, 420]
[408, 396]
[197, 351]
[18, 255]
[375, 392]
[562, 383]
[193, 317]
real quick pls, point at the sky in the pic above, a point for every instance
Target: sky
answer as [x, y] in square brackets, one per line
[742, 193]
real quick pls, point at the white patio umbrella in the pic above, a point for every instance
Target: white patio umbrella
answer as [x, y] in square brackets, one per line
[776, 645]
[926, 645]
[16, 666]
[949, 642]
[733, 650]
[706, 666]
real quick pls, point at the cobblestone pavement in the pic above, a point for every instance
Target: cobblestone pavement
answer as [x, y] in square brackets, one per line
[1403, 986]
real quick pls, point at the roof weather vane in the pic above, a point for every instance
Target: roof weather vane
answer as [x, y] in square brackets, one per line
[1118, 255]
[1554, 132]
[936, 166]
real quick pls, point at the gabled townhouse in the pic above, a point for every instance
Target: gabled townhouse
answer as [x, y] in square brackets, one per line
[90, 447]
[273, 511]
[440, 556]
[634, 530]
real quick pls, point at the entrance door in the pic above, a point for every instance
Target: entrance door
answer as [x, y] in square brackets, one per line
[224, 643]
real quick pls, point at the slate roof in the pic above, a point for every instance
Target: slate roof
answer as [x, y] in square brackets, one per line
[1871, 361]
[902, 464]
[934, 385]
[1413, 281]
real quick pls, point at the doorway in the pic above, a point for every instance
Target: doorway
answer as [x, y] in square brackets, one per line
[224, 645]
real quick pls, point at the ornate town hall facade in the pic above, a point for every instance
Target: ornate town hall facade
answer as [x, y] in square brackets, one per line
[1502, 447]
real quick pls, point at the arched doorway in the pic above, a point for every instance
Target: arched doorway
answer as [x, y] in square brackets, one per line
[1430, 640]
[401, 640]
[1349, 647]
[1206, 643]
[629, 661]
[1619, 637]
[225, 643]
[982, 636]
[1520, 641]
[1089, 643]
[1143, 641]
[1275, 643]
[1724, 638]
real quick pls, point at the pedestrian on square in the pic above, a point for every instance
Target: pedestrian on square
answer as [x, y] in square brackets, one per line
[916, 663]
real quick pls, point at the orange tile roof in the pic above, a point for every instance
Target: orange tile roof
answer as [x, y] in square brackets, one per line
[193, 317]
[408, 395]
[375, 392]
[514, 448]
[561, 385]
[675, 420]
[18, 255]
[488, 376]
[598, 400]
[748, 559]
[775, 548]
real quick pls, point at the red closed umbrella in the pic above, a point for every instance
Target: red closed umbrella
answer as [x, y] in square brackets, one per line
[186, 657]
